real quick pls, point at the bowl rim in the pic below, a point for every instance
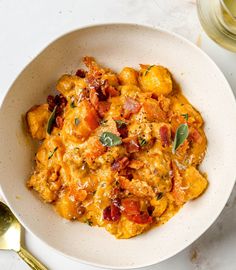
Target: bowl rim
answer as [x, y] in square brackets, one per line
[124, 24]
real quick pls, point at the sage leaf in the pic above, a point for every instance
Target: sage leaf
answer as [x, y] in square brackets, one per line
[77, 121]
[51, 120]
[142, 142]
[110, 139]
[180, 136]
[185, 116]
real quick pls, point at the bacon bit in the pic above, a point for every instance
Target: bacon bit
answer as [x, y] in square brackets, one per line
[154, 96]
[81, 210]
[115, 192]
[115, 210]
[107, 213]
[120, 164]
[111, 91]
[59, 122]
[80, 73]
[131, 144]
[131, 206]
[131, 209]
[131, 106]
[92, 119]
[103, 108]
[58, 100]
[112, 212]
[93, 97]
[150, 209]
[127, 174]
[164, 133]
[94, 80]
[61, 101]
[122, 129]
[195, 136]
[51, 102]
[142, 218]
[90, 62]
[123, 132]
[136, 164]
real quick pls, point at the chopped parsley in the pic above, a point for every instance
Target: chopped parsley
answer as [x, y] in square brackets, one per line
[148, 69]
[77, 121]
[52, 153]
[142, 142]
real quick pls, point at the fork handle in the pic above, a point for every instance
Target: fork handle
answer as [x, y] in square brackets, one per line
[30, 260]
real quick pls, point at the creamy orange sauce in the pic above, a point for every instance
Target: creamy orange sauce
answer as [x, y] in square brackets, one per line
[109, 158]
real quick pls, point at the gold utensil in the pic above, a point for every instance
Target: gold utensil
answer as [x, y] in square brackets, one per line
[10, 237]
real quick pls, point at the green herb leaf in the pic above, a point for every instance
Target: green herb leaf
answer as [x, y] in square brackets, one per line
[77, 121]
[51, 120]
[103, 122]
[72, 104]
[120, 123]
[89, 222]
[110, 139]
[180, 136]
[159, 195]
[52, 153]
[148, 69]
[185, 115]
[142, 141]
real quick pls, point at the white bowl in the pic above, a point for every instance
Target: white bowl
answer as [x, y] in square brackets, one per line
[116, 46]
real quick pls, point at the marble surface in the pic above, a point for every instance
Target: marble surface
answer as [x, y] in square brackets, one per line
[27, 26]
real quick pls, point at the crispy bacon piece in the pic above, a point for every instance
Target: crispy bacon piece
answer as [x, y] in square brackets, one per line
[80, 73]
[59, 101]
[131, 206]
[93, 97]
[109, 90]
[164, 134]
[195, 136]
[51, 102]
[59, 122]
[115, 209]
[131, 106]
[120, 164]
[131, 144]
[107, 213]
[142, 218]
[103, 108]
[122, 128]
[123, 132]
[131, 209]
[112, 212]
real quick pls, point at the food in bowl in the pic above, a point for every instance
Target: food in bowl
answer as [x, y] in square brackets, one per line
[119, 151]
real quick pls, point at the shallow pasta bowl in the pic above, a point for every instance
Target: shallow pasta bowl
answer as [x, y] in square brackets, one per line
[116, 46]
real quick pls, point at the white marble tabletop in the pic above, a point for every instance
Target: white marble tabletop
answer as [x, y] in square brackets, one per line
[27, 26]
